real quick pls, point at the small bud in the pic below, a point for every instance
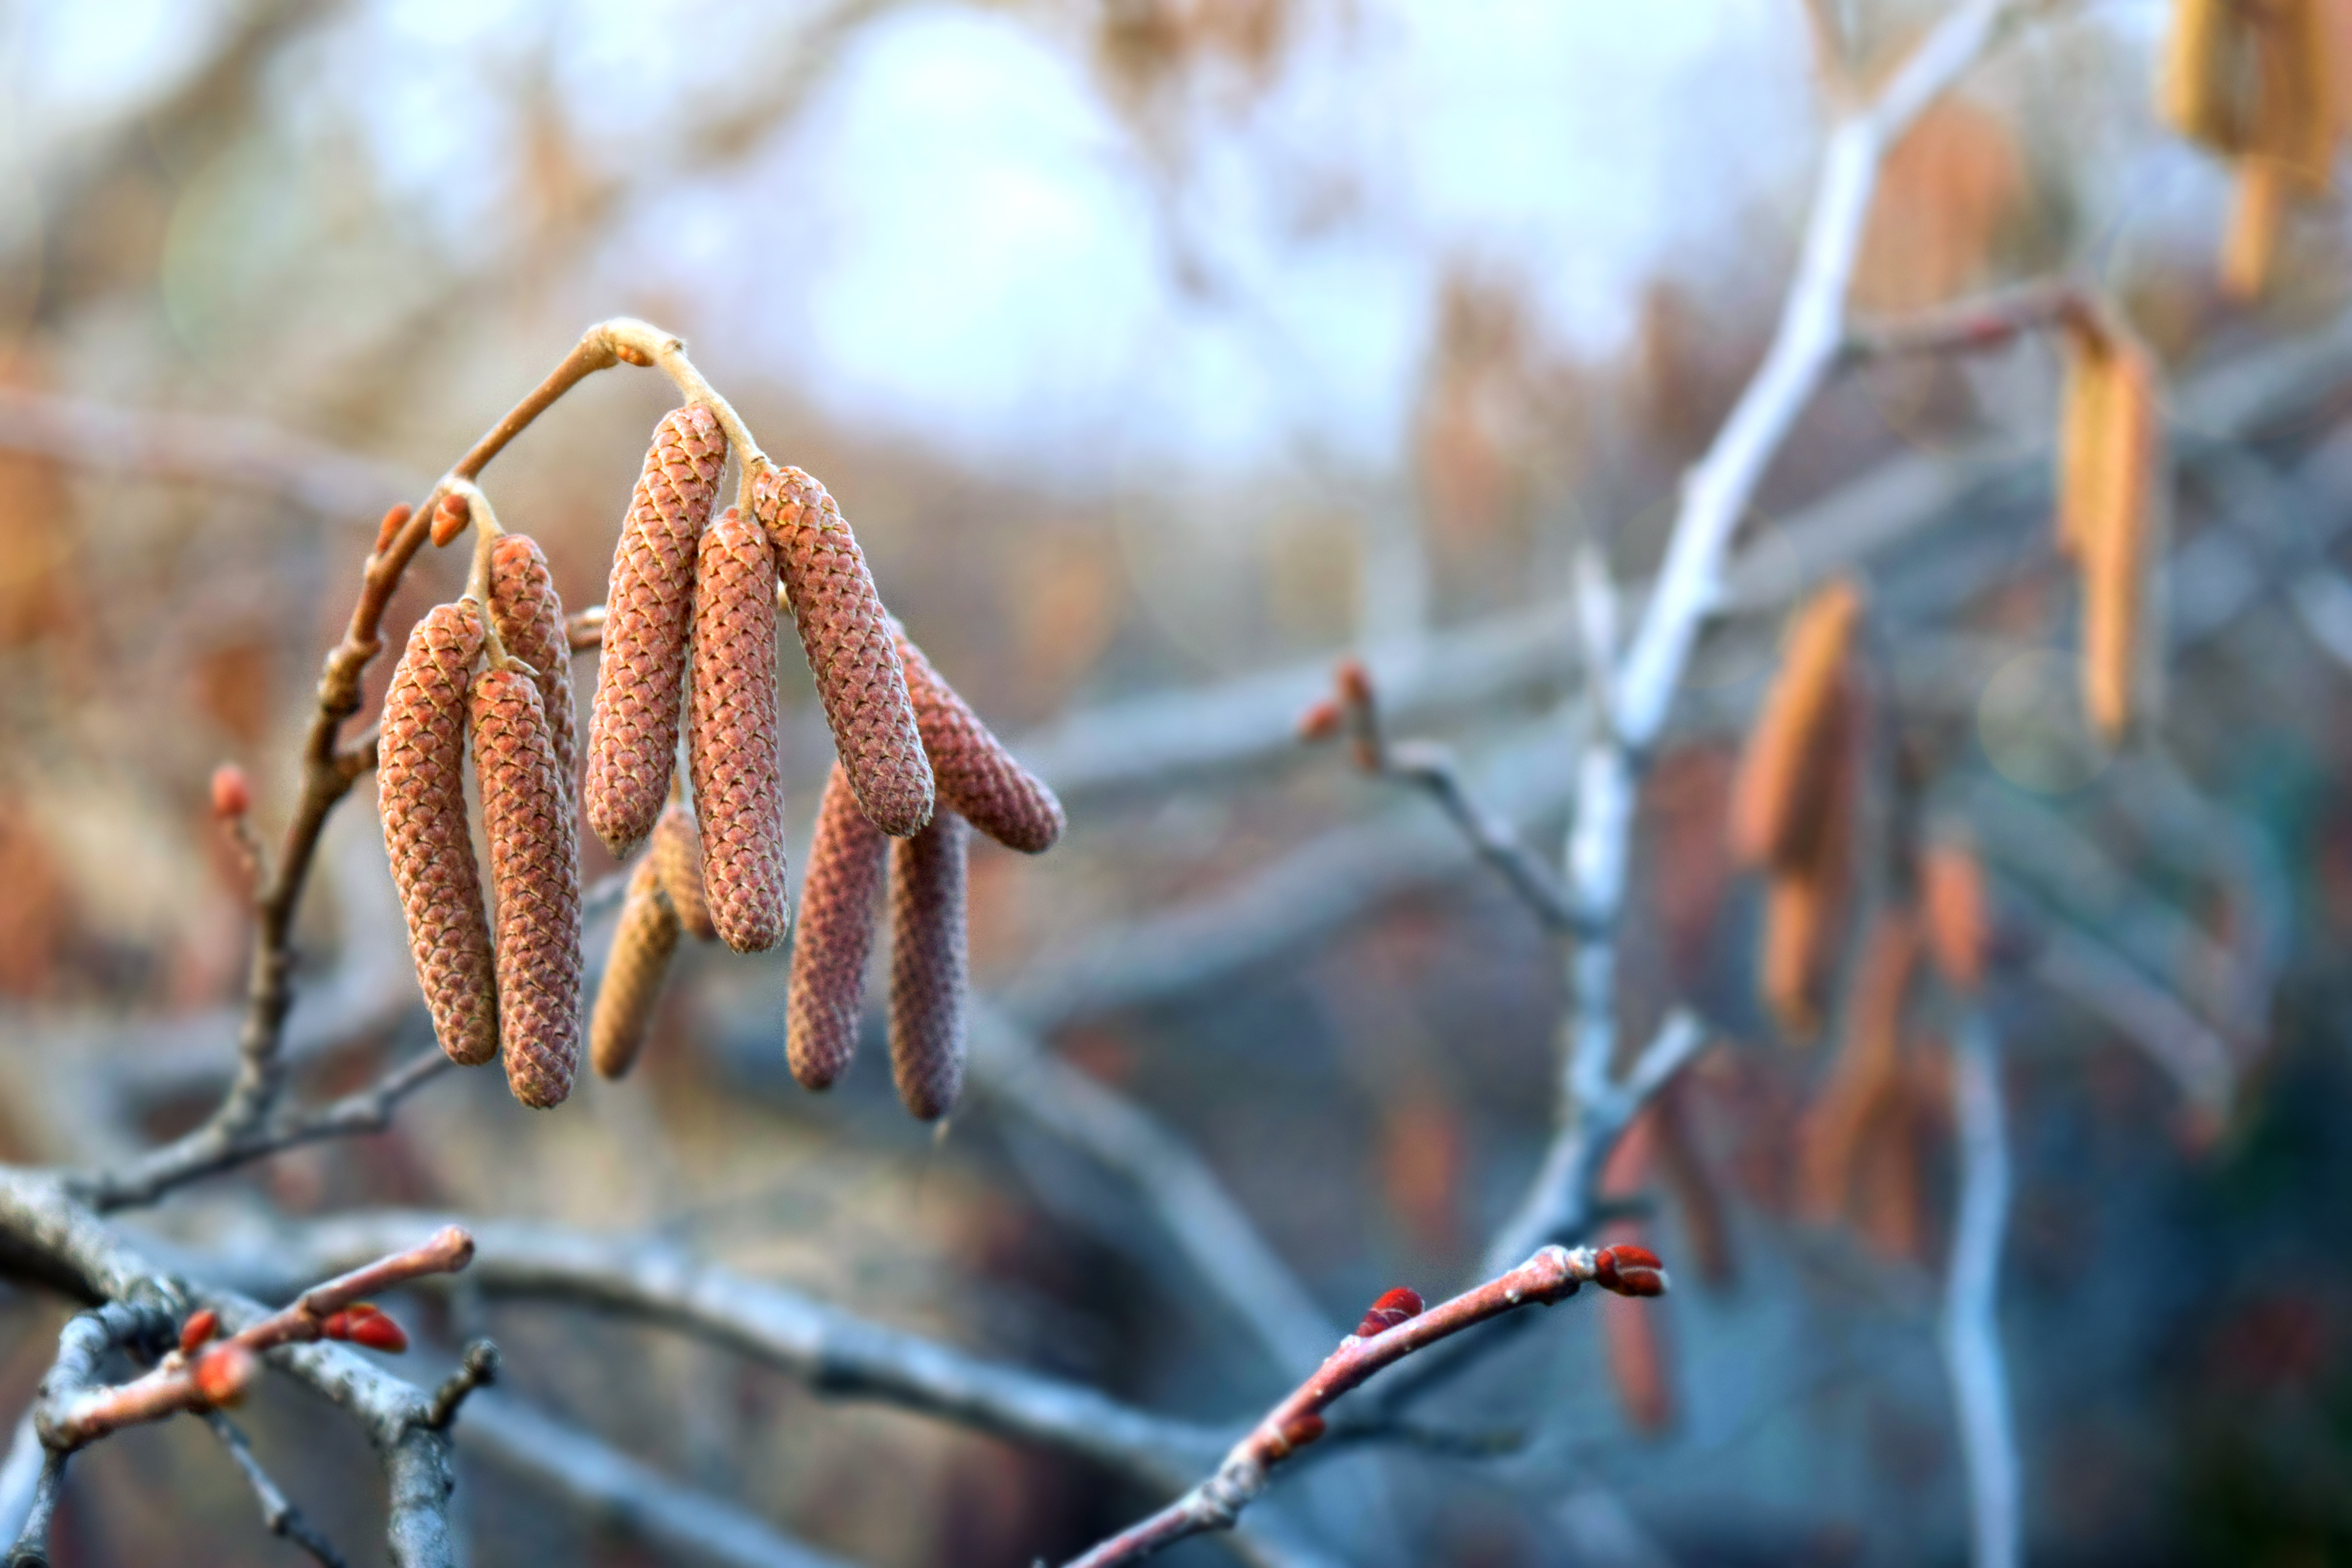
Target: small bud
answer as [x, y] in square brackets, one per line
[1629, 1270]
[1319, 722]
[232, 792]
[224, 1373]
[450, 515]
[363, 1325]
[630, 353]
[394, 521]
[1354, 683]
[200, 1327]
[1299, 1431]
[1394, 1308]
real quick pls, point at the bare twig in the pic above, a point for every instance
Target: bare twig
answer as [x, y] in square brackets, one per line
[2081, 969]
[1552, 1275]
[1979, 325]
[31, 1547]
[477, 1368]
[278, 1516]
[1355, 708]
[1971, 1335]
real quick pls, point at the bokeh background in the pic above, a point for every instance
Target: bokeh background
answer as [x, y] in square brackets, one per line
[1161, 352]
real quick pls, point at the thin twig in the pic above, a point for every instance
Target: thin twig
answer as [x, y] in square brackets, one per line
[1552, 1275]
[278, 1516]
[1977, 325]
[477, 1368]
[1972, 1333]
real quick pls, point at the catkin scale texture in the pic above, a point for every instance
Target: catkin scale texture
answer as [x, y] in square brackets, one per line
[528, 616]
[633, 726]
[834, 937]
[643, 940]
[1777, 800]
[534, 887]
[731, 737]
[677, 858]
[929, 975]
[846, 636]
[977, 777]
[421, 784]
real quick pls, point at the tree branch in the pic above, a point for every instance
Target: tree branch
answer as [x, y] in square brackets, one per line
[1972, 1333]
[1552, 1275]
[279, 1517]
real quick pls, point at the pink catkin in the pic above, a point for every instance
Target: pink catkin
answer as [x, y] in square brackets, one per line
[976, 776]
[677, 857]
[731, 737]
[534, 886]
[528, 616]
[929, 974]
[836, 936]
[846, 636]
[633, 727]
[421, 784]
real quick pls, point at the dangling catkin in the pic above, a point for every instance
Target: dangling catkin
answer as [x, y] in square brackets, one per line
[834, 936]
[1952, 902]
[978, 778]
[534, 887]
[2257, 213]
[421, 783]
[677, 857]
[529, 617]
[2084, 434]
[2115, 542]
[1776, 801]
[642, 941]
[633, 727]
[928, 969]
[731, 738]
[846, 635]
[2196, 84]
[1869, 1067]
[1805, 895]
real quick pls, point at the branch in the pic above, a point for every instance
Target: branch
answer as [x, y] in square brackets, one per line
[1980, 325]
[201, 1375]
[1971, 1335]
[1355, 709]
[1394, 1329]
[278, 1515]
[2088, 972]
[478, 1368]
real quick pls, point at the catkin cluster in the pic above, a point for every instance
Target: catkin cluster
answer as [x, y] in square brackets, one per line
[2110, 462]
[980, 785]
[1792, 804]
[688, 642]
[2253, 81]
[506, 985]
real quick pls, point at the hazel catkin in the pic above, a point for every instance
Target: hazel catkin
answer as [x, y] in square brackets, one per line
[643, 940]
[534, 887]
[846, 636]
[528, 616]
[633, 726]
[731, 736]
[977, 777]
[1777, 801]
[420, 781]
[1952, 908]
[835, 936]
[677, 857]
[928, 974]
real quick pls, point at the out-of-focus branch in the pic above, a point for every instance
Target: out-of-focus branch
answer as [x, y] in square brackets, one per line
[30, 1548]
[1971, 1333]
[2086, 971]
[1395, 1328]
[830, 1350]
[1354, 709]
[1979, 325]
[632, 1498]
[278, 1516]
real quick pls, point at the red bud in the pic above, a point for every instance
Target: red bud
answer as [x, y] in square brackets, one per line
[363, 1324]
[1394, 1308]
[394, 521]
[1319, 722]
[1355, 683]
[1300, 1431]
[449, 517]
[1629, 1270]
[223, 1371]
[200, 1327]
[232, 792]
